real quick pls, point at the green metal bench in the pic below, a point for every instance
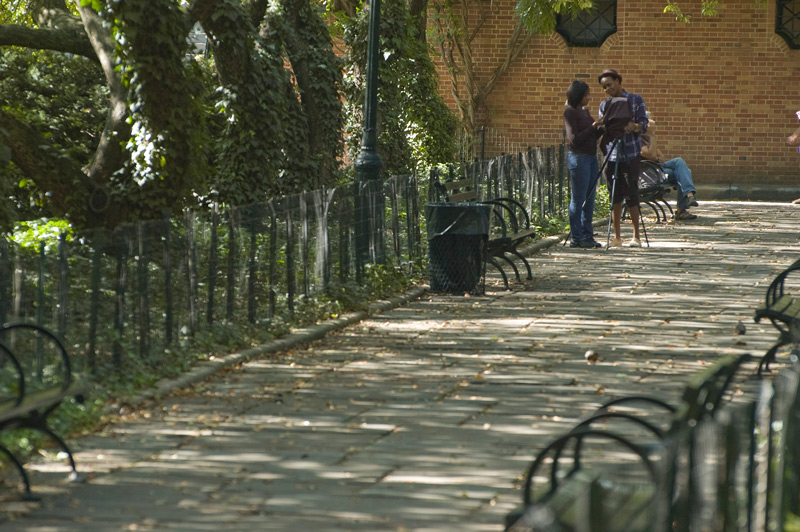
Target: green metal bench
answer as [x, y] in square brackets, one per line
[35, 378]
[783, 310]
[510, 220]
[611, 497]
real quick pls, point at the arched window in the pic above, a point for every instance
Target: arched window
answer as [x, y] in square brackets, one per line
[591, 27]
[787, 21]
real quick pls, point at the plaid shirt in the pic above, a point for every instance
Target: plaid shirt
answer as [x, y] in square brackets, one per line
[631, 141]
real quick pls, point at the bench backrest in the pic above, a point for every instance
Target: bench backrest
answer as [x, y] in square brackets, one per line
[32, 359]
[453, 190]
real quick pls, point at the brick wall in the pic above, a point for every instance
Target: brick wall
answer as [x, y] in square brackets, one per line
[723, 90]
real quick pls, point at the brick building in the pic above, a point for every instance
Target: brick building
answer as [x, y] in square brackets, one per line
[723, 90]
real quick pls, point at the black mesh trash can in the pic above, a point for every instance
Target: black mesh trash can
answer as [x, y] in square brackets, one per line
[457, 238]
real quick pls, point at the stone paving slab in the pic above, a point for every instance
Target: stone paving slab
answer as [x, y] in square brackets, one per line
[425, 417]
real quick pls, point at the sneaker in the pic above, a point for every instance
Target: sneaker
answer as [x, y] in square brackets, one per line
[595, 243]
[634, 243]
[583, 244]
[691, 199]
[615, 242]
[574, 244]
[684, 215]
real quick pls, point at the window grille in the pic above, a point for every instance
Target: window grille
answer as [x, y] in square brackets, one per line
[787, 21]
[590, 28]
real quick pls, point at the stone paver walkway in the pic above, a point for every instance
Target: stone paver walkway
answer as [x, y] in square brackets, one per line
[425, 417]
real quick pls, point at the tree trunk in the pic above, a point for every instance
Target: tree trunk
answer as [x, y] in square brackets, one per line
[110, 154]
[419, 11]
[310, 52]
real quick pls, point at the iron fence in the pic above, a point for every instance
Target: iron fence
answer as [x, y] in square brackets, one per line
[144, 289]
[537, 178]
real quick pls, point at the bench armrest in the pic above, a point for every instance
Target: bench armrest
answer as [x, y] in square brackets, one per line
[41, 357]
[777, 286]
[516, 206]
[12, 383]
[558, 445]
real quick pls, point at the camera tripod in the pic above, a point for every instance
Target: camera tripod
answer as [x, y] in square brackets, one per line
[617, 145]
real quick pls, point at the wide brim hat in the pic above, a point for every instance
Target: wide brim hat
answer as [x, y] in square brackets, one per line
[609, 72]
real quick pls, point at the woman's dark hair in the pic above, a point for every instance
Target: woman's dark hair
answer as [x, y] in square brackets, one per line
[575, 93]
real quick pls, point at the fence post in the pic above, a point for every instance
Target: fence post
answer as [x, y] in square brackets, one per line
[273, 258]
[94, 307]
[212, 263]
[290, 280]
[304, 241]
[144, 300]
[252, 269]
[121, 249]
[40, 286]
[561, 175]
[395, 214]
[63, 286]
[344, 241]
[166, 236]
[5, 279]
[231, 276]
[191, 270]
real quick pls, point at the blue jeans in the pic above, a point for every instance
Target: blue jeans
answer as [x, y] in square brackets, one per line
[583, 173]
[678, 172]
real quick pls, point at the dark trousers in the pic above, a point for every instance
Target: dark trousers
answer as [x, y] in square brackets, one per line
[627, 187]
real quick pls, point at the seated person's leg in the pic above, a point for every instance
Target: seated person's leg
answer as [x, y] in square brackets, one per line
[678, 171]
[683, 202]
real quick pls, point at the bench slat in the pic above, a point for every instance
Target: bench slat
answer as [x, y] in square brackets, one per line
[785, 308]
[462, 197]
[37, 401]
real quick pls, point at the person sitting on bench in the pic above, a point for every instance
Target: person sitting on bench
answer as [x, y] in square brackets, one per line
[677, 172]
[794, 140]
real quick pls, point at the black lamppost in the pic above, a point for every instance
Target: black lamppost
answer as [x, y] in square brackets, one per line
[369, 204]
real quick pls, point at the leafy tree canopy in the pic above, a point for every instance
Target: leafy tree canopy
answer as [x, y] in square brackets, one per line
[107, 115]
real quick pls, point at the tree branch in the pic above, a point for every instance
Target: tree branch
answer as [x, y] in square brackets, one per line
[68, 40]
[110, 153]
[57, 176]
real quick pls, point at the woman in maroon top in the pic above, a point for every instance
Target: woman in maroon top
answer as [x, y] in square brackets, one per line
[582, 133]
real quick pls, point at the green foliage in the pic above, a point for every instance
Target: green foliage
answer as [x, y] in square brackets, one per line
[316, 119]
[272, 134]
[32, 234]
[14, 12]
[558, 223]
[167, 122]
[602, 202]
[415, 124]
[253, 103]
[62, 97]
[263, 147]
[387, 280]
[708, 8]
[539, 16]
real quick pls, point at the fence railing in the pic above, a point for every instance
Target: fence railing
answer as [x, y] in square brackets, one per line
[144, 289]
[537, 178]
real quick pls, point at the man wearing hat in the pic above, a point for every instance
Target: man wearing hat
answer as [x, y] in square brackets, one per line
[625, 117]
